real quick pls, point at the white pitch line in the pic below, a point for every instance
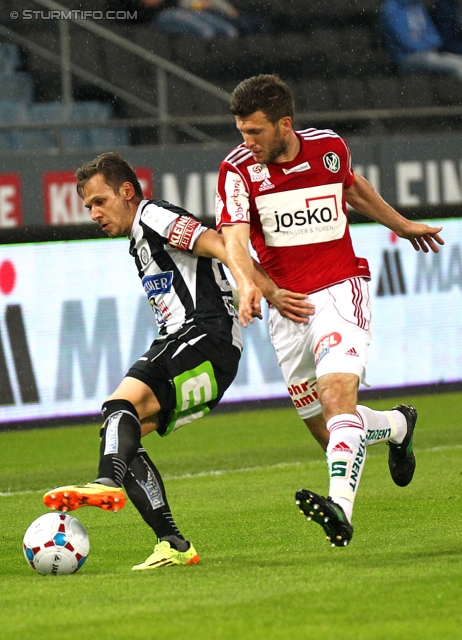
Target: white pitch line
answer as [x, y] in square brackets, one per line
[187, 476]
[223, 472]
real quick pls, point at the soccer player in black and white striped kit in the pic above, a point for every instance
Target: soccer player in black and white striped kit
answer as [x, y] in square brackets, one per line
[188, 367]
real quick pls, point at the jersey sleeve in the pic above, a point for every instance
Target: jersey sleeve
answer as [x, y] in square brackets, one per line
[349, 176]
[232, 198]
[180, 230]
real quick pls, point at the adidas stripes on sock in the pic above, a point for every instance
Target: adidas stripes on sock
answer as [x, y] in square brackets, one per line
[346, 454]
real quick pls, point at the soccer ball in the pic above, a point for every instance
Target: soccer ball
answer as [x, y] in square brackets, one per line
[56, 543]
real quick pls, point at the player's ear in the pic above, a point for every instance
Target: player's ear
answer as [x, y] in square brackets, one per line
[127, 190]
[286, 124]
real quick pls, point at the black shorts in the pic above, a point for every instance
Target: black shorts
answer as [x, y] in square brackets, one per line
[188, 373]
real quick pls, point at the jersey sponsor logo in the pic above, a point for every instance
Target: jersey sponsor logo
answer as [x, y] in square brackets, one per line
[182, 233]
[325, 344]
[358, 464]
[266, 185]
[303, 394]
[339, 469]
[300, 167]
[302, 216]
[236, 197]
[258, 172]
[157, 284]
[331, 161]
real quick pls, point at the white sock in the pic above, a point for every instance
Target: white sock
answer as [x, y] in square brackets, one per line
[346, 454]
[382, 426]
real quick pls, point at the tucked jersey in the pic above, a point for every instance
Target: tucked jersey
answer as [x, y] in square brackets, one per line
[181, 287]
[296, 211]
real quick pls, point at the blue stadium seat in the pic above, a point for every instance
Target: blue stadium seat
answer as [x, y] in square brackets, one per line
[54, 112]
[10, 58]
[87, 110]
[109, 137]
[26, 139]
[16, 86]
[11, 113]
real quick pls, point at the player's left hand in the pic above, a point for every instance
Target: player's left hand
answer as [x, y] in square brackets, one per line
[424, 237]
[291, 305]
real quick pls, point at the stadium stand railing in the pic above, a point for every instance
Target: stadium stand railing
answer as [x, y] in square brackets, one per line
[172, 89]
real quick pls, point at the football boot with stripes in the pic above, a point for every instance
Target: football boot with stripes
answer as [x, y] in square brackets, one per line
[165, 555]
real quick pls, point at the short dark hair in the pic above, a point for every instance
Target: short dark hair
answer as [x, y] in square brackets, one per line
[114, 169]
[266, 93]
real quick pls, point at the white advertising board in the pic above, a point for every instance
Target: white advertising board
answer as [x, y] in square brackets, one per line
[73, 318]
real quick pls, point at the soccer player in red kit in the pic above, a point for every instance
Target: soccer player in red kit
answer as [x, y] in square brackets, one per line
[287, 191]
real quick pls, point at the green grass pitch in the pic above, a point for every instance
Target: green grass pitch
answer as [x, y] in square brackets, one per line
[265, 572]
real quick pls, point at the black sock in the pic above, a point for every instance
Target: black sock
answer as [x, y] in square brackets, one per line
[145, 488]
[120, 440]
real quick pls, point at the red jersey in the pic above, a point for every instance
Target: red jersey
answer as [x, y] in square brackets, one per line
[296, 211]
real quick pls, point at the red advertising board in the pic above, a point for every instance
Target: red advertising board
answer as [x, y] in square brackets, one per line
[63, 205]
[10, 200]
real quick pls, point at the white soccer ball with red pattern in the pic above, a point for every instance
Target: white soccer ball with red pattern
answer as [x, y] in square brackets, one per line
[56, 543]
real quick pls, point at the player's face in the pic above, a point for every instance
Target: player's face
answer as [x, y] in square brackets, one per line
[266, 141]
[110, 210]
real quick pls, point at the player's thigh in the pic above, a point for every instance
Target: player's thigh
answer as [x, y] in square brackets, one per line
[188, 375]
[293, 344]
[341, 329]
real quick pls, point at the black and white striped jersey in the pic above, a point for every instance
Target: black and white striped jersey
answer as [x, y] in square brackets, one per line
[180, 286]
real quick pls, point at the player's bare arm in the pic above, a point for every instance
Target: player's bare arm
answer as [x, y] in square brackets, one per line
[239, 262]
[364, 198]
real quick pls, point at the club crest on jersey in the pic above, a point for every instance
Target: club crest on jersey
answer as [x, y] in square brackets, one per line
[331, 161]
[156, 284]
[144, 256]
[258, 172]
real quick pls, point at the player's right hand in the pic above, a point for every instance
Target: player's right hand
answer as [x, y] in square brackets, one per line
[291, 305]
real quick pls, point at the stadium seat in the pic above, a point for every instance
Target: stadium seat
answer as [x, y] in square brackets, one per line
[56, 112]
[10, 58]
[11, 113]
[447, 91]
[350, 94]
[86, 110]
[313, 95]
[384, 92]
[109, 138]
[28, 139]
[416, 91]
[16, 86]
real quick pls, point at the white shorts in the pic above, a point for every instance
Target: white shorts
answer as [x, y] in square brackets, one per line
[334, 341]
